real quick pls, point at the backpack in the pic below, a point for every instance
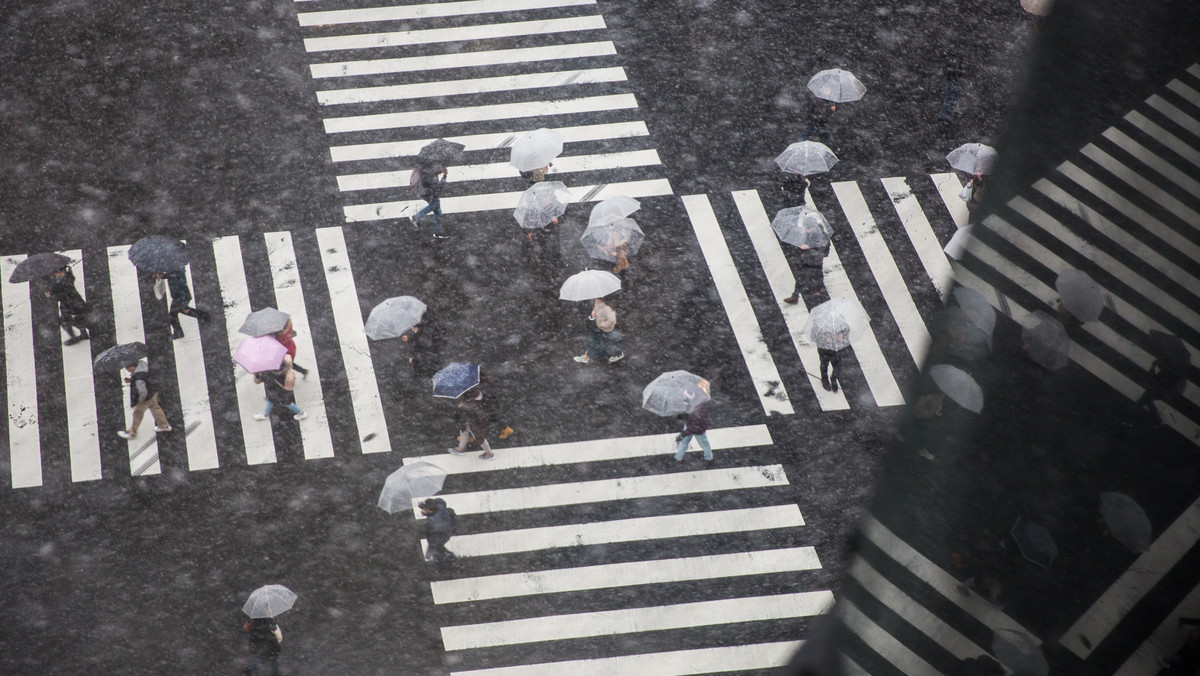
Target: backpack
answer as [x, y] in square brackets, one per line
[414, 182]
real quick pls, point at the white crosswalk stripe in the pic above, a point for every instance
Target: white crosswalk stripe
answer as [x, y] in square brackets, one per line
[428, 11]
[25, 463]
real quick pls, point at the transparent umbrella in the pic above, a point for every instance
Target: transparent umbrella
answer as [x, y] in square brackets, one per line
[1035, 542]
[836, 85]
[1019, 652]
[269, 601]
[802, 226]
[806, 157]
[958, 385]
[957, 245]
[1126, 521]
[542, 203]
[1080, 294]
[264, 322]
[612, 209]
[836, 323]
[1045, 340]
[418, 480]
[973, 158]
[588, 285]
[535, 149]
[675, 392]
[977, 308]
[393, 317]
[607, 241]
[1037, 7]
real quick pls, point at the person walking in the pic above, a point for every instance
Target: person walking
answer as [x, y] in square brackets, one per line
[279, 385]
[536, 175]
[143, 396]
[808, 269]
[181, 295]
[545, 252]
[285, 339]
[430, 182]
[426, 343]
[605, 341]
[831, 359]
[473, 423]
[1164, 384]
[266, 641]
[439, 528]
[695, 425]
[72, 308]
[819, 113]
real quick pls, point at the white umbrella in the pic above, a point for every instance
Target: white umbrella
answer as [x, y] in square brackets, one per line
[675, 392]
[806, 157]
[958, 243]
[1080, 294]
[836, 85]
[605, 241]
[394, 316]
[269, 601]
[535, 149]
[973, 158]
[418, 480]
[958, 385]
[612, 209]
[836, 323]
[589, 284]
[541, 204]
[1045, 340]
[1037, 7]
[802, 226]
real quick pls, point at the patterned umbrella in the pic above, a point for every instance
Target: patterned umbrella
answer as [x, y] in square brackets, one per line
[455, 379]
[440, 152]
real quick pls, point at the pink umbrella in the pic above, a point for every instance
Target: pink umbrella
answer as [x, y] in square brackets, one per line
[263, 353]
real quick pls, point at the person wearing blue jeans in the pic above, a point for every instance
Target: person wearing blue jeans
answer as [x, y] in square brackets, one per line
[695, 425]
[278, 385]
[432, 182]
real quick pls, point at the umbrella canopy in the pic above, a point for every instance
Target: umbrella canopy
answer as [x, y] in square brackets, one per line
[541, 203]
[958, 385]
[973, 158]
[393, 317]
[955, 333]
[836, 323]
[977, 309]
[38, 266]
[806, 157]
[120, 356]
[1045, 340]
[157, 253]
[1080, 294]
[802, 226]
[455, 379]
[836, 85]
[957, 245]
[612, 209]
[1169, 350]
[606, 241]
[1037, 7]
[259, 354]
[535, 149]
[269, 601]
[418, 480]
[264, 322]
[440, 152]
[1126, 521]
[675, 392]
[589, 284]
[1019, 652]
[1035, 542]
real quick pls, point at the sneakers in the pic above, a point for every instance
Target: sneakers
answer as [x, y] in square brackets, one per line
[616, 358]
[126, 435]
[412, 221]
[487, 455]
[506, 432]
[440, 235]
[260, 416]
[792, 299]
[168, 428]
[583, 359]
[456, 451]
[300, 416]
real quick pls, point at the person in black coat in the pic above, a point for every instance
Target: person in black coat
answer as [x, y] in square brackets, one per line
[181, 295]
[278, 386]
[819, 113]
[426, 343]
[72, 308]
[807, 265]
[265, 644]
[439, 528]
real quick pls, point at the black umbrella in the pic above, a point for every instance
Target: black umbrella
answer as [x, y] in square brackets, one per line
[441, 152]
[1170, 352]
[1036, 543]
[38, 266]
[264, 322]
[119, 357]
[157, 253]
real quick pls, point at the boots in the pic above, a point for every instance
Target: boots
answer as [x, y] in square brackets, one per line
[75, 337]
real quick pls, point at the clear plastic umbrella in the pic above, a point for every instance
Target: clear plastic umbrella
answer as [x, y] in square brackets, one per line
[836, 85]
[806, 157]
[542, 203]
[588, 285]
[973, 158]
[836, 323]
[1045, 340]
[958, 385]
[1126, 521]
[393, 317]
[1037, 7]
[675, 392]
[1080, 294]
[535, 149]
[269, 601]
[1035, 542]
[1019, 652]
[264, 322]
[612, 209]
[418, 480]
[977, 308]
[607, 241]
[802, 226]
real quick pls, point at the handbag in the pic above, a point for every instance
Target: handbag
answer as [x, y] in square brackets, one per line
[967, 192]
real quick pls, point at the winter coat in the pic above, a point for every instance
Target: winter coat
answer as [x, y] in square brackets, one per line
[285, 339]
[178, 286]
[263, 641]
[426, 344]
[140, 386]
[273, 383]
[70, 303]
[472, 412]
[813, 257]
[439, 526]
[432, 184]
[696, 422]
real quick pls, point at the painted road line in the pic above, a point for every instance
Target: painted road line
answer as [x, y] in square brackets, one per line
[1134, 180]
[1132, 586]
[1152, 160]
[606, 490]
[289, 297]
[756, 656]
[499, 170]
[850, 667]
[883, 268]
[24, 437]
[771, 392]
[630, 620]
[251, 397]
[496, 111]
[948, 187]
[590, 132]
[912, 612]
[1174, 114]
[783, 283]
[628, 574]
[495, 57]
[1171, 141]
[1191, 95]
[356, 354]
[429, 11]
[1162, 231]
[1166, 640]
[920, 233]
[81, 396]
[193, 397]
[595, 451]
[882, 642]
[429, 36]
[941, 581]
[127, 324]
[482, 85]
[626, 530]
[504, 200]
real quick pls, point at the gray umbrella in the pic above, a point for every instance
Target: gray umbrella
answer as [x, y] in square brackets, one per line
[119, 357]
[393, 317]
[418, 480]
[806, 157]
[157, 253]
[802, 226]
[269, 601]
[541, 204]
[958, 385]
[1019, 652]
[607, 241]
[264, 322]
[836, 323]
[440, 152]
[38, 266]
[1045, 340]
[1035, 542]
[978, 309]
[1080, 294]
[1126, 521]
[675, 392]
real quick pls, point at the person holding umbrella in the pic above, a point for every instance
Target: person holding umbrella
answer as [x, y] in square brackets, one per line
[1167, 377]
[142, 396]
[425, 339]
[429, 181]
[279, 386]
[265, 635]
[181, 295]
[682, 394]
[605, 340]
[439, 528]
[474, 423]
[807, 231]
[72, 308]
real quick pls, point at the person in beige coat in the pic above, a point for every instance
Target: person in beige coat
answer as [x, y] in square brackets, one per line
[605, 341]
